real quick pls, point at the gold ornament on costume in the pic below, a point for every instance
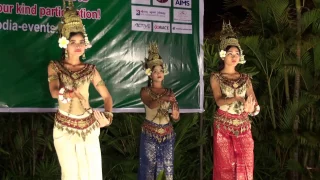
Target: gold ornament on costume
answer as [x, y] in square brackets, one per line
[154, 59]
[71, 22]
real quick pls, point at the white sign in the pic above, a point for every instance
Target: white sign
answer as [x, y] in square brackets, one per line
[181, 28]
[161, 27]
[150, 13]
[141, 26]
[182, 15]
[182, 3]
[147, 2]
[162, 2]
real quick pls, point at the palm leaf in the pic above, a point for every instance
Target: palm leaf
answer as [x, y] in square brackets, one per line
[309, 18]
[278, 9]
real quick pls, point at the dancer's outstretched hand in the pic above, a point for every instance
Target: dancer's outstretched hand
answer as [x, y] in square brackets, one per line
[249, 104]
[103, 121]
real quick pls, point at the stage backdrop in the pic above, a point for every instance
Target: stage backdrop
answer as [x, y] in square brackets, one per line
[120, 31]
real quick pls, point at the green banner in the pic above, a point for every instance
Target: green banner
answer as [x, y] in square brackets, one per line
[120, 31]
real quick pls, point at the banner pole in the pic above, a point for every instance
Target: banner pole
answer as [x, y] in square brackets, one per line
[201, 147]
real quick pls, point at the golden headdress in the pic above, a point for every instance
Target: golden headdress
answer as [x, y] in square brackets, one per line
[71, 22]
[229, 38]
[154, 59]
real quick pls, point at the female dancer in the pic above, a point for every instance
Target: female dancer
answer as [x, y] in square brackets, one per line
[77, 127]
[157, 136]
[233, 93]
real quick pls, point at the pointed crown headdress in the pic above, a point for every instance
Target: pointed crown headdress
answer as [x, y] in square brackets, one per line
[228, 37]
[154, 58]
[71, 22]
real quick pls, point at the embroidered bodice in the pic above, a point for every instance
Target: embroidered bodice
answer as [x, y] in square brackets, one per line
[230, 88]
[155, 114]
[160, 114]
[79, 80]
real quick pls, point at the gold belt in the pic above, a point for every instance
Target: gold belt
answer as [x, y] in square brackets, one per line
[235, 122]
[81, 127]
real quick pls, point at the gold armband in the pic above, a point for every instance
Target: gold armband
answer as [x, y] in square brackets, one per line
[52, 78]
[100, 83]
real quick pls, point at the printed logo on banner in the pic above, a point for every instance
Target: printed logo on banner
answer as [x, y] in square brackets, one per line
[161, 27]
[150, 13]
[182, 15]
[181, 28]
[141, 26]
[182, 3]
[162, 2]
[147, 2]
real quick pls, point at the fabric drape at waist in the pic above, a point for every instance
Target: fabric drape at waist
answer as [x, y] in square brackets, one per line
[160, 132]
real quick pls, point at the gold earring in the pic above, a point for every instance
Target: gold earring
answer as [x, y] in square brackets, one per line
[66, 54]
[83, 56]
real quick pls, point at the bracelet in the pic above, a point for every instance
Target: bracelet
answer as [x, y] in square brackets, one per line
[108, 115]
[62, 97]
[256, 111]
